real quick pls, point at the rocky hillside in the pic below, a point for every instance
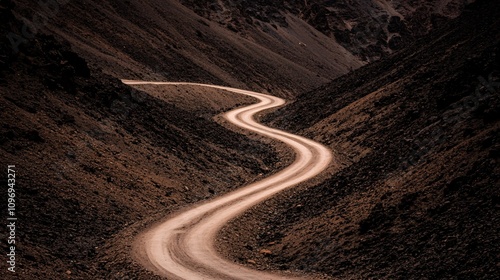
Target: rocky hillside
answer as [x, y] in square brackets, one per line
[368, 29]
[414, 193]
[415, 134]
[163, 40]
[96, 160]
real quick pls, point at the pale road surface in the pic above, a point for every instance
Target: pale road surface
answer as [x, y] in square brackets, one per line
[182, 246]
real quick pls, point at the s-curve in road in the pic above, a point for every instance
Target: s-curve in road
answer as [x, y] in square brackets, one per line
[182, 246]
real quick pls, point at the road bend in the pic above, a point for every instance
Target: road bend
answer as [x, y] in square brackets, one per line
[182, 246]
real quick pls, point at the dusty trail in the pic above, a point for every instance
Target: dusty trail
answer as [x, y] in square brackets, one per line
[182, 247]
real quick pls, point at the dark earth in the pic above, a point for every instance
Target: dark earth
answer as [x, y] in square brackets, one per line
[416, 195]
[413, 193]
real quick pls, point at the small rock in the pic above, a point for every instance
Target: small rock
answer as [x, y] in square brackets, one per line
[251, 262]
[266, 252]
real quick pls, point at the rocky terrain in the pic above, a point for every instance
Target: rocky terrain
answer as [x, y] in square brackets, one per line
[415, 194]
[368, 29]
[96, 160]
[163, 40]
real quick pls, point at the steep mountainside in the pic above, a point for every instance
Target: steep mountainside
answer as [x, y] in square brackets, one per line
[163, 40]
[97, 160]
[416, 192]
[370, 29]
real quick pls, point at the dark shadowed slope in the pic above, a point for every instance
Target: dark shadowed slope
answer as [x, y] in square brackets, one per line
[96, 159]
[368, 29]
[163, 40]
[418, 194]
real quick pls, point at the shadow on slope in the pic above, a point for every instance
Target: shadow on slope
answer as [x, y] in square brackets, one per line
[417, 195]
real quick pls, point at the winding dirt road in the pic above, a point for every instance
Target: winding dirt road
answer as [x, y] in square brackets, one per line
[182, 247]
